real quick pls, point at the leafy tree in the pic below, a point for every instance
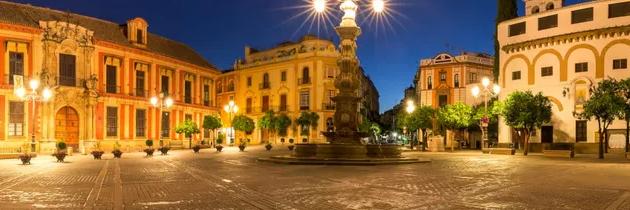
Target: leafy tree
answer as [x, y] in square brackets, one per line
[455, 117]
[244, 124]
[605, 105]
[211, 123]
[506, 10]
[188, 128]
[307, 120]
[526, 112]
[282, 124]
[369, 127]
[268, 122]
[422, 118]
[624, 90]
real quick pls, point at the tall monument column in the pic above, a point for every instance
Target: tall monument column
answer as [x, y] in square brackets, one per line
[347, 81]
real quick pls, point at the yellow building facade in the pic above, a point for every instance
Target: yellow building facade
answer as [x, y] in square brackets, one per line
[102, 75]
[291, 78]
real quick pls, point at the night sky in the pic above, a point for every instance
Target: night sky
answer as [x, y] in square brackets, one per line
[219, 30]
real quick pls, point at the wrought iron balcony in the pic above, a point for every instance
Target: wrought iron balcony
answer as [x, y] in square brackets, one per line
[304, 81]
[265, 85]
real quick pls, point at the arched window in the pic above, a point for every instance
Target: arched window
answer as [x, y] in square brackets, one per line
[230, 86]
[306, 79]
[429, 83]
[550, 6]
[266, 78]
[535, 10]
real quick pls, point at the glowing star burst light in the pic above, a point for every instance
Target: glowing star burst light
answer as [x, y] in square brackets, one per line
[319, 6]
[378, 6]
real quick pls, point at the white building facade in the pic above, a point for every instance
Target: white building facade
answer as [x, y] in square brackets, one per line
[563, 52]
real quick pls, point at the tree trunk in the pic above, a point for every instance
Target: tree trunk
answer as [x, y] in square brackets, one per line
[526, 146]
[627, 134]
[452, 143]
[607, 138]
[424, 140]
[601, 141]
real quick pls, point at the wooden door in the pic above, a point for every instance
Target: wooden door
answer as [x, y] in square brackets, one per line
[67, 126]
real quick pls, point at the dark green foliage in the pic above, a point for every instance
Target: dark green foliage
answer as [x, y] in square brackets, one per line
[526, 112]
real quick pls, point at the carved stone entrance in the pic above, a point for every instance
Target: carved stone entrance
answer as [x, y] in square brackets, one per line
[67, 126]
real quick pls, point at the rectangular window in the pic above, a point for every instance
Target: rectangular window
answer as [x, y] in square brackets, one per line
[582, 15]
[331, 73]
[187, 92]
[517, 29]
[581, 67]
[442, 76]
[429, 83]
[265, 103]
[456, 80]
[165, 87]
[112, 121]
[16, 65]
[249, 81]
[580, 131]
[139, 36]
[283, 76]
[206, 95]
[67, 70]
[248, 105]
[111, 86]
[188, 117]
[304, 100]
[283, 103]
[472, 78]
[140, 84]
[166, 124]
[546, 71]
[619, 9]
[141, 122]
[620, 64]
[443, 100]
[548, 22]
[16, 118]
[516, 75]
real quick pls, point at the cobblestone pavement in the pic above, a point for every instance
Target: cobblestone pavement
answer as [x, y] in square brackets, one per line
[235, 180]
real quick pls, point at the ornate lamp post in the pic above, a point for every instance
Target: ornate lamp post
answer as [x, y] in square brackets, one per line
[231, 108]
[34, 95]
[161, 102]
[485, 91]
[411, 107]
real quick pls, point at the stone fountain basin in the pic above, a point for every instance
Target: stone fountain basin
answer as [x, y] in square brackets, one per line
[344, 154]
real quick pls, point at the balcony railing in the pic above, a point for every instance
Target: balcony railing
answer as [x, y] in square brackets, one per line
[188, 99]
[305, 108]
[265, 85]
[139, 92]
[304, 81]
[283, 108]
[262, 109]
[328, 106]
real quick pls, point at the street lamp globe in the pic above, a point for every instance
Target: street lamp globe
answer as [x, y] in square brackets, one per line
[168, 102]
[46, 94]
[496, 89]
[235, 109]
[475, 91]
[319, 5]
[485, 82]
[154, 100]
[34, 84]
[20, 92]
[378, 6]
[410, 107]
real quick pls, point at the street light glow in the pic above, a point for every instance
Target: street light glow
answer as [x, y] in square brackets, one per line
[20, 92]
[34, 84]
[46, 94]
[496, 89]
[410, 107]
[475, 91]
[154, 100]
[378, 6]
[319, 5]
[168, 102]
[485, 82]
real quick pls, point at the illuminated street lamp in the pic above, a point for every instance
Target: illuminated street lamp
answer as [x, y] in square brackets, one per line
[485, 91]
[161, 102]
[231, 108]
[34, 95]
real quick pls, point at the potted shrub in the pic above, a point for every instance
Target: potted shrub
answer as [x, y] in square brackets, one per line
[61, 152]
[218, 146]
[196, 148]
[268, 123]
[212, 123]
[164, 150]
[268, 146]
[242, 145]
[149, 150]
[97, 153]
[117, 152]
[306, 121]
[26, 156]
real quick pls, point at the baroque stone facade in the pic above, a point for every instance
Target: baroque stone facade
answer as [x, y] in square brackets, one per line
[102, 75]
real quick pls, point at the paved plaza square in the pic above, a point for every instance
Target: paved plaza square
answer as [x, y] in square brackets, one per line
[236, 180]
